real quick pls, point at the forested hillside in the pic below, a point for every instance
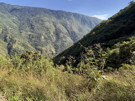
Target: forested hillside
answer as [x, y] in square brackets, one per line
[99, 67]
[48, 31]
[108, 34]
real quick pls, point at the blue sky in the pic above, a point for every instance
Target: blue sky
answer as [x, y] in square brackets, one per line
[97, 8]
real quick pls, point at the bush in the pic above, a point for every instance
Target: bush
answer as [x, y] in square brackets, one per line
[4, 63]
[120, 86]
[115, 91]
[31, 61]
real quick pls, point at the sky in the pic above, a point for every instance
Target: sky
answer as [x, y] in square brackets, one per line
[101, 9]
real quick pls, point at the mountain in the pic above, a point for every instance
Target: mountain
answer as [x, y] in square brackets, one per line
[105, 72]
[49, 31]
[107, 34]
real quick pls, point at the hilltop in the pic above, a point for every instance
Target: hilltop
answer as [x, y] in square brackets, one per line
[48, 31]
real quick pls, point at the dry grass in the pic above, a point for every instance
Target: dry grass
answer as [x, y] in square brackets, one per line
[120, 86]
[53, 86]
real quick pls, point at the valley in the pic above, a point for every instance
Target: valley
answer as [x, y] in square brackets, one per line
[98, 66]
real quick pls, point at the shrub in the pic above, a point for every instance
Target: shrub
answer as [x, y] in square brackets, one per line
[31, 61]
[4, 63]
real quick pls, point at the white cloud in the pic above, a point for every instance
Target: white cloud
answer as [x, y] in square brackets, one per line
[102, 17]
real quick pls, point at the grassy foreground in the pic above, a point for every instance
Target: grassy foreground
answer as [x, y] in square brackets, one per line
[20, 82]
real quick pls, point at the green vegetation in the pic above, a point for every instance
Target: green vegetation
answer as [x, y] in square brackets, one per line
[48, 31]
[98, 76]
[104, 71]
[116, 29]
[119, 86]
[30, 76]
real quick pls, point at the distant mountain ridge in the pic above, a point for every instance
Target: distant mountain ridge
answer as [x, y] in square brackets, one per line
[49, 31]
[113, 31]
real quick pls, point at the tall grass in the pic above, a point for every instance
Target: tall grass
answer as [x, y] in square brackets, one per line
[49, 83]
[20, 83]
[120, 86]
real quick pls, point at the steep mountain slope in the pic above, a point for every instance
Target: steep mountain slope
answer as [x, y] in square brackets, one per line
[118, 28]
[40, 29]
